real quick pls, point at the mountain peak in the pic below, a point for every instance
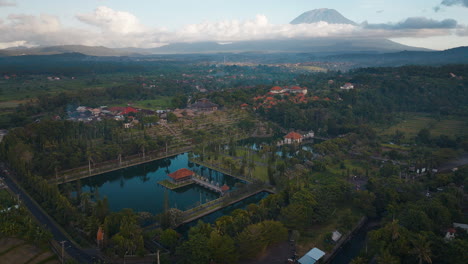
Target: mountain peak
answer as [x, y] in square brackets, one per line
[331, 16]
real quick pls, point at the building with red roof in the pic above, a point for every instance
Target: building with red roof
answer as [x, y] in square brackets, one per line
[293, 137]
[181, 175]
[277, 90]
[224, 188]
[128, 110]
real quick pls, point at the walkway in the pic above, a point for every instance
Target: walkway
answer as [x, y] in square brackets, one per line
[113, 166]
[207, 185]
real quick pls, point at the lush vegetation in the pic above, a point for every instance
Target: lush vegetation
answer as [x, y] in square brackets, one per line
[384, 140]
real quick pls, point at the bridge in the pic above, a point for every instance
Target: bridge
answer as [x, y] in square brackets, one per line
[206, 184]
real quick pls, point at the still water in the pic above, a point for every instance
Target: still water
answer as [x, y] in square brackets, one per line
[137, 187]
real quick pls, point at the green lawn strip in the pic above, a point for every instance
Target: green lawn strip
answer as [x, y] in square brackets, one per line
[53, 257]
[36, 256]
[395, 147]
[349, 164]
[12, 248]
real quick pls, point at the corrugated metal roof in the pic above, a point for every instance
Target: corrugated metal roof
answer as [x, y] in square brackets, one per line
[312, 256]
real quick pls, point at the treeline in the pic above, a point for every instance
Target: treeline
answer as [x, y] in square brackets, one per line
[415, 222]
[47, 147]
[247, 233]
[379, 93]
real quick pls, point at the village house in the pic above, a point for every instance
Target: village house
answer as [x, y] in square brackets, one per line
[204, 105]
[297, 89]
[347, 86]
[277, 90]
[286, 90]
[293, 137]
[181, 175]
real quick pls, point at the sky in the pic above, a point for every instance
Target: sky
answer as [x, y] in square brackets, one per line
[433, 24]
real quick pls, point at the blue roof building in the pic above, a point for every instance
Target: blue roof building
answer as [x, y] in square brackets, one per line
[312, 256]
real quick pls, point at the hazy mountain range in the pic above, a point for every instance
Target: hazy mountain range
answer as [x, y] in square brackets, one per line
[325, 46]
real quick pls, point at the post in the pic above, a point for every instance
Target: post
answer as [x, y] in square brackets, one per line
[158, 257]
[63, 244]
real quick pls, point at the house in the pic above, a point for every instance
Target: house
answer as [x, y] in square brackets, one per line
[181, 175]
[347, 86]
[297, 89]
[462, 226]
[312, 256]
[292, 137]
[310, 134]
[204, 105]
[244, 106]
[336, 235]
[450, 234]
[276, 90]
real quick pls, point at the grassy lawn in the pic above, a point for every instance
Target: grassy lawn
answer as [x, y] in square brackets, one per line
[412, 123]
[161, 103]
[349, 164]
[260, 173]
[314, 236]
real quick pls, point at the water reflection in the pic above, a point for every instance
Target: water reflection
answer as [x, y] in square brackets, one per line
[137, 188]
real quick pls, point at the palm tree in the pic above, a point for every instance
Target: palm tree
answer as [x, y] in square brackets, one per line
[251, 167]
[422, 248]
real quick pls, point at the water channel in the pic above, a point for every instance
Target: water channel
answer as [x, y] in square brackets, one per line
[137, 187]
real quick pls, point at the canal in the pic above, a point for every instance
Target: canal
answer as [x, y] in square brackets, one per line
[137, 187]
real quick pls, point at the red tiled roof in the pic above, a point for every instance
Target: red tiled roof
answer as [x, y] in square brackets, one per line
[128, 110]
[180, 174]
[293, 135]
[224, 188]
[270, 98]
[116, 109]
[452, 230]
[276, 88]
[244, 105]
[296, 88]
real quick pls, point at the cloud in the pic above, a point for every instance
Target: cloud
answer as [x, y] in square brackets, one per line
[113, 21]
[7, 3]
[451, 3]
[455, 2]
[114, 28]
[255, 29]
[415, 23]
[462, 31]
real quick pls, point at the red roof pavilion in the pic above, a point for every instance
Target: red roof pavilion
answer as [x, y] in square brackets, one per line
[181, 174]
[293, 135]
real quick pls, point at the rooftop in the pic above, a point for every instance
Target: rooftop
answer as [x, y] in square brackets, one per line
[293, 135]
[180, 174]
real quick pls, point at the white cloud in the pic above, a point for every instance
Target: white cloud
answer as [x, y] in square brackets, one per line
[109, 20]
[113, 28]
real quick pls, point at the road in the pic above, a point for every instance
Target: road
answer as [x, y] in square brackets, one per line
[72, 250]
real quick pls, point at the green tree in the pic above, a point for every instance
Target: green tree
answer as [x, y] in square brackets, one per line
[169, 238]
[223, 249]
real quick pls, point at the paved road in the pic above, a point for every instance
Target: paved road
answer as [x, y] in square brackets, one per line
[72, 250]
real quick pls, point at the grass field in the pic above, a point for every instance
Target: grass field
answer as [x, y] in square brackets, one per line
[17, 251]
[161, 103]
[413, 123]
